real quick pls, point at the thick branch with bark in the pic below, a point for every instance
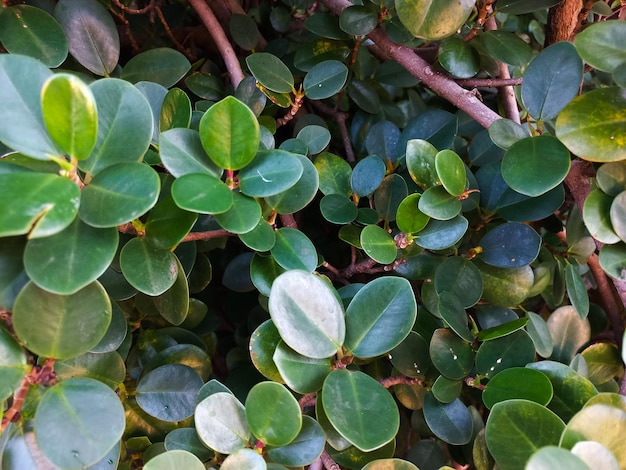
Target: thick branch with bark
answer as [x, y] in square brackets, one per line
[438, 82]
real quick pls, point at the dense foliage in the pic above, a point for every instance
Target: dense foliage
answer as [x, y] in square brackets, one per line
[289, 234]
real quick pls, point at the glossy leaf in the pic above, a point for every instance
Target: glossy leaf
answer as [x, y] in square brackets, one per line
[92, 34]
[78, 422]
[551, 456]
[367, 175]
[263, 271]
[409, 217]
[596, 215]
[519, 7]
[161, 65]
[460, 277]
[70, 114]
[244, 458]
[506, 47]
[182, 153]
[169, 392]
[273, 414]
[452, 356]
[511, 245]
[439, 204]
[338, 209]
[514, 350]
[606, 36]
[294, 250]
[271, 172]
[302, 374]
[174, 459]
[612, 260]
[576, 290]
[37, 204]
[441, 234]
[611, 178]
[150, 270]
[88, 310]
[168, 224]
[325, 79]
[569, 332]
[459, 58]
[505, 133]
[175, 110]
[594, 453]
[389, 195]
[261, 238]
[315, 137]
[451, 172]
[173, 304]
[304, 449]
[603, 362]
[411, 356]
[221, 423]
[125, 125]
[367, 428]
[535, 165]
[378, 305]
[230, 134]
[517, 428]
[435, 126]
[244, 30]
[270, 72]
[300, 194]
[518, 383]
[203, 193]
[334, 174]
[378, 244]
[23, 129]
[503, 286]
[12, 364]
[307, 314]
[61, 265]
[433, 20]
[450, 422]
[242, 216]
[31, 31]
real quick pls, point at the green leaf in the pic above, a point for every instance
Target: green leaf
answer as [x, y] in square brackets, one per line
[307, 314]
[78, 422]
[203, 193]
[173, 304]
[206, 86]
[273, 414]
[518, 382]
[433, 20]
[175, 110]
[551, 457]
[263, 271]
[450, 422]
[300, 194]
[92, 34]
[182, 153]
[174, 459]
[169, 392]
[230, 133]
[502, 329]
[535, 165]
[451, 172]
[603, 362]
[389, 195]
[511, 245]
[125, 125]
[378, 244]
[37, 204]
[221, 423]
[270, 72]
[107, 367]
[382, 140]
[367, 175]
[325, 79]
[571, 390]
[576, 290]
[162, 65]
[358, 20]
[517, 428]
[451, 310]
[338, 209]
[302, 374]
[364, 95]
[30, 31]
[167, 224]
[334, 174]
[506, 47]
[569, 332]
[150, 270]
[459, 58]
[612, 260]
[294, 250]
[61, 265]
[446, 390]
[263, 343]
[367, 428]
[596, 215]
[520, 7]
[617, 213]
[244, 458]
[119, 194]
[504, 133]
[611, 177]
[452, 356]
[23, 128]
[409, 218]
[552, 80]
[538, 331]
[70, 114]
[441, 234]
[244, 31]
[505, 287]
[439, 204]
[378, 305]
[460, 277]
[304, 449]
[514, 350]
[271, 172]
[607, 36]
[261, 238]
[315, 137]
[186, 439]
[411, 356]
[87, 311]
[591, 424]
[13, 364]
[420, 161]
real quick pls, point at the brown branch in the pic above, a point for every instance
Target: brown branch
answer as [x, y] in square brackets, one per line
[489, 82]
[400, 379]
[190, 237]
[295, 107]
[562, 21]
[219, 36]
[135, 11]
[438, 82]
[329, 463]
[288, 220]
[307, 400]
[483, 14]
[607, 294]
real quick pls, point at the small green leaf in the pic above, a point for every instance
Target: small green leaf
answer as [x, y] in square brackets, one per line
[514, 350]
[439, 204]
[263, 343]
[300, 194]
[270, 72]
[150, 270]
[242, 216]
[162, 65]
[315, 137]
[433, 20]
[450, 422]
[294, 250]
[302, 374]
[505, 133]
[174, 459]
[271, 172]
[30, 31]
[538, 331]
[411, 356]
[367, 428]
[518, 382]
[87, 311]
[378, 244]
[460, 277]
[273, 414]
[506, 47]
[230, 133]
[304, 449]
[334, 174]
[409, 218]
[358, 20]
[307, 314]
[511, 245]
[12, 364]
[612, 261]
[175, 110]
[569, 332]
[325, 79]
[420, 161]
[452, 356]
[596, 215]
[78, 422]
[338, 209]
[576, 290]
[552, 457]
[182, 153]
[260, 238]
[441, 234]
[367, 175]
[451, 172]
[459, 58]
[203, 193]
[607, 36]
[221, 423]
[244, 30]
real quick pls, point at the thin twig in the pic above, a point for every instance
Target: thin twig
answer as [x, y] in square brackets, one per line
[607, 295]
[489, 82]
[340, 118]
[483, 15]
[135, 11]
[329, 463]
[400, 379]
[438, 82]
[219, 36]
[190, 237]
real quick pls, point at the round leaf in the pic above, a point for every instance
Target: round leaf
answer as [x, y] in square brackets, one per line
[334, 174]
[409, 217]
[273, 414]
[242, 216]
[307, 314]
[169, 392]
[451, 171]
[535, 165]
[221, 423]
[441, 234]
[338, 209]
[315, 137]
[612, 260]
[450, 422]
[262, 347]
[411, 356]
[174, 459]
[596, 215]
[203, 193]
[304, 449]
[244, 30]
[607, 36]
[380, 316]
[230, 133]
[87, 311]
[511, 245]
[378, 244]
[459, 58]
[439, 204]
[433, 20]
[569, 333]
[60, 263]
[594, 453]
[358, 20]
[460, 277]
[12, 364]
[30, 31]
[175, 110]
[270, 72]
[452, 356]
[294, 250]
[518, 382]
[150, 270]
[506, 47]
[367, 175]
[244, 458]
[181, 153]
[367, 427]
[514, 350]
[161, 65]
[301, 373]
[271, 172]
[300, 194]
[505, 287]
[325, 79]
[78, 422]
[519, 7]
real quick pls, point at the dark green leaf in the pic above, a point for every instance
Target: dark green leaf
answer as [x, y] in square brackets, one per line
[519, 7]
[441, 234]
[294, 250]
[514, 350]
[12, 364]
[459, 58]
[367, 175]
[161, 65]
[518, 382]
[203, 193]
[450, 422]
[511, 245]
[244, 31]
[270, 72]
[506, 47]
[302, 374]
[338, 209]
[460, 277]
[411, 356]
[304, 449]
[325, 79]
[439, 204]
[452, 356]
[150, 270]
[242, 216]
[358, 20]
